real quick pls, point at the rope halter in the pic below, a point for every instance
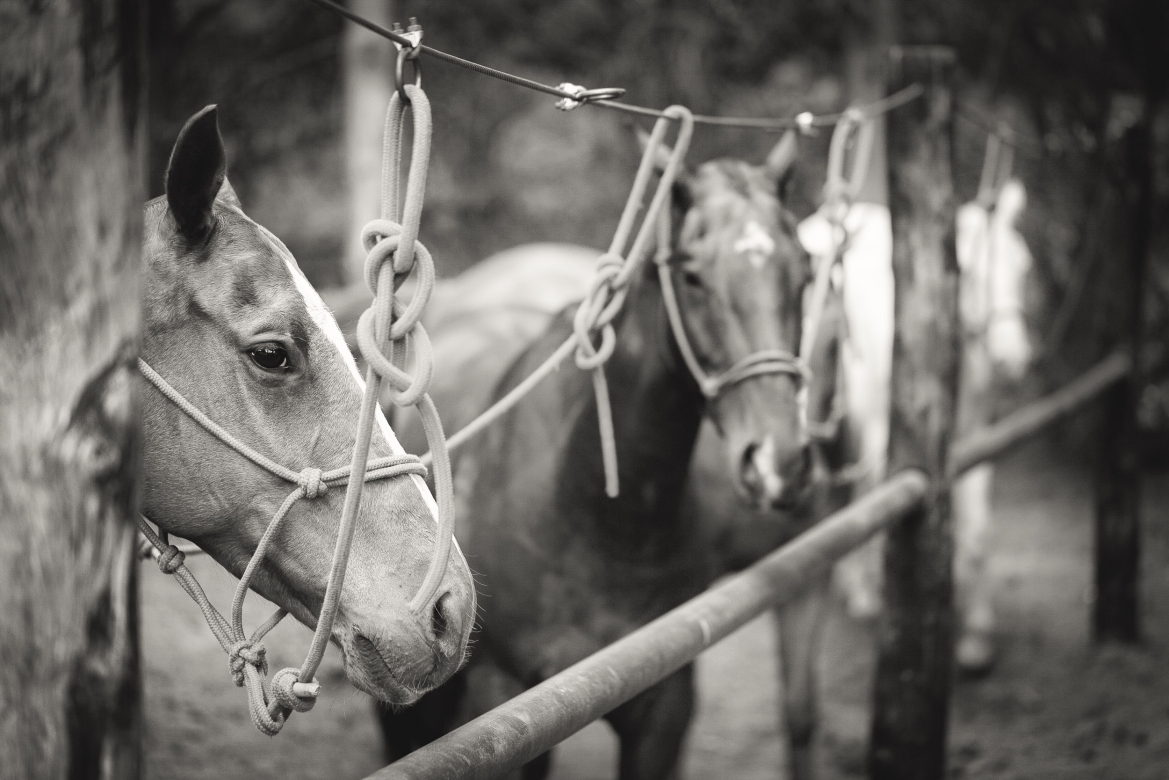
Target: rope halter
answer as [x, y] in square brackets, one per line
[765, 361]
[389, 325]
[246, 655]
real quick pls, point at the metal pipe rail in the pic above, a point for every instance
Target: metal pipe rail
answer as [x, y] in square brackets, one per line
[536, 720]
[541, 717]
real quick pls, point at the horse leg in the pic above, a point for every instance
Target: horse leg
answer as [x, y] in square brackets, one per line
[975, 651]
[800, 624]
[652, 725]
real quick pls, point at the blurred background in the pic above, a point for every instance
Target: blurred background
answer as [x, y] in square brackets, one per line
[1081, 85]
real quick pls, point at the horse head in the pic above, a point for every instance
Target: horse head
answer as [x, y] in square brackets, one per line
[740, 271]
[234, 326]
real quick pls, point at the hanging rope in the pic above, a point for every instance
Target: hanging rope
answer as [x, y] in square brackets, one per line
[390, 330]
[841, 188]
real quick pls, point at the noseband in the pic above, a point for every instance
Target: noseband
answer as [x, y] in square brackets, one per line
[764, 361]
[270, 703]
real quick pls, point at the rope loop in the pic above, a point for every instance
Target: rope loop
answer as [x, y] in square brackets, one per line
[285, 686]
[170, 558]
[245, 653]
[312, 483]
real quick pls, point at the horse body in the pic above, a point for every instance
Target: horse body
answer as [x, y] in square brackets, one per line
[566, 569]
[234, 326]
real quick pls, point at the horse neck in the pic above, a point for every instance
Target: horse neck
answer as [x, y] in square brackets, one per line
[657, 409]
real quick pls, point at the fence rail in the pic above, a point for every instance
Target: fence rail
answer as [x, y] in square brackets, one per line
[538, 719]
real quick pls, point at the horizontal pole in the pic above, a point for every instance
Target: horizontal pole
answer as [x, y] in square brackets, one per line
[536, 720]
[994, 440]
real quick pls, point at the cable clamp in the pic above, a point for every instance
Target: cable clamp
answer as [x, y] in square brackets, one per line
[413, 33]
[804, 123]
[580, 95]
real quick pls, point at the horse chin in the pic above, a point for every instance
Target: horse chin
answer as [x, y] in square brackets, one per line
[368, 671]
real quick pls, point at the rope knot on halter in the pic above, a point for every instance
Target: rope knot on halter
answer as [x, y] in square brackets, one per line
[170, 558]
[292, 694]
[602, 302]
[244, 653]
[312, 483]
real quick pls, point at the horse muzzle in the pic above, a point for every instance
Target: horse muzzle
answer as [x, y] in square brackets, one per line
[772, 476]
[397, 656]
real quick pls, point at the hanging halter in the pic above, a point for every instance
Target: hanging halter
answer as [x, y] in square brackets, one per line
[997, 163]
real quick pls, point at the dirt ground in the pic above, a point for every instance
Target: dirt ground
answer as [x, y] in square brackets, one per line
[1054, 707]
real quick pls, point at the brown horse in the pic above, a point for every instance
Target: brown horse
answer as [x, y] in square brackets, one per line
[567, 570]
[234, 326]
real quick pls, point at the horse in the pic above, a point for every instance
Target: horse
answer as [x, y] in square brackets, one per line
[565, 570]
[233, 325]
[993, 262]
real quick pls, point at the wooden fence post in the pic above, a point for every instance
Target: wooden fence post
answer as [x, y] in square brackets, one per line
[1116, 609]
[71, 144]
[911, 697]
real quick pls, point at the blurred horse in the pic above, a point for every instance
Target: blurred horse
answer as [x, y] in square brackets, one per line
[567, 570]
[232, 324]
[993, 261]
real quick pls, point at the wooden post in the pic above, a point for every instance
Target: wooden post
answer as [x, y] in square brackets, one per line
[1116, 610]
[908, 739]
[71, 145]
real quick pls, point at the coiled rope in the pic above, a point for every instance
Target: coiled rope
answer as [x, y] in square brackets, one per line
[387, 326]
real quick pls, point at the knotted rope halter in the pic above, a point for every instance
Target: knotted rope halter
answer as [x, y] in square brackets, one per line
[765, 361]
[394, 252]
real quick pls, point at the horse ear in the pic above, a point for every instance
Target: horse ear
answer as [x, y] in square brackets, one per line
[197, 169]
[780, 164]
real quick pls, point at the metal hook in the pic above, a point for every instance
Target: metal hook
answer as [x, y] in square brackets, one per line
[413, 33]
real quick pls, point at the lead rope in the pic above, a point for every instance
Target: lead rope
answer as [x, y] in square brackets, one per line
[604, 299]
[390, 324]
[290, 689]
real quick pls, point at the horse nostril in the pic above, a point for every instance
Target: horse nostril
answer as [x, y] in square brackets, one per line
[444, 624]
[438, 622]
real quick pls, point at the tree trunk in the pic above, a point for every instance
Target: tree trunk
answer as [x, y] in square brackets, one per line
[368, 67]
[71, 142]
[1116, 610]
[916, 634]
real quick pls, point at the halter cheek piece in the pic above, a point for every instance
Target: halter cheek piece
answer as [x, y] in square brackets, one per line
[270, 703]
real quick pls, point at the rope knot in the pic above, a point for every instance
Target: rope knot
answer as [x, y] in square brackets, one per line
[310, 481]
[246, 653]
[170, 558]
[293, 694]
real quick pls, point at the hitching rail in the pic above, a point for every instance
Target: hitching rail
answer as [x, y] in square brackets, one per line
[536, 720]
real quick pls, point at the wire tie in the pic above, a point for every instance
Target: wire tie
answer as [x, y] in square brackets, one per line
[580, 95]
[804, 121]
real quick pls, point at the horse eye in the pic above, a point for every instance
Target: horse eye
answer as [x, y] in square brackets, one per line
[691, 278]
[271, 357]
